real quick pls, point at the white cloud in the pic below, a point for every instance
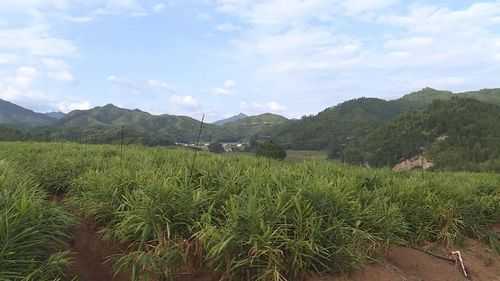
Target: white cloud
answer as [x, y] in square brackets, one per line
[7, 58]
[433, 19]
[409, 43]
[82, 19]
[58, 69]
[115, 7]
[229, 84]
[19, 86]
[226, 90]
[184, 102]
[158, 8]
[221, 92]
[25, 75]
[361, 6]
[227, 27]
[292, 12]
[258, 108]
[37, 41]
[275, 12]
[160, 84]
[70, 106]
[141, 87]
[440, 38]
[324, 47]
[30, 5]
[301, 50]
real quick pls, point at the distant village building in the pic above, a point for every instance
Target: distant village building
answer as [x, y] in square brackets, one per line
[201, 146]
[234, 146]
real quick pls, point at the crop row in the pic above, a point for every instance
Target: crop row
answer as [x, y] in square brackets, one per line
[250, 218]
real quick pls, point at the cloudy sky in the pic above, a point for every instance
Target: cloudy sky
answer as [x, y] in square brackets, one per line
[222, 57]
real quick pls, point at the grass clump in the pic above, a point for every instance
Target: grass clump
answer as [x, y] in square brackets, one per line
[32, 230]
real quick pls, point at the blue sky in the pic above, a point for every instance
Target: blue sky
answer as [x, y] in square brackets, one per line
[222, 57]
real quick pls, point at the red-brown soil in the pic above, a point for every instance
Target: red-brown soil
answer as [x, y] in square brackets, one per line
[404, 264]
[90, 255]
[91, 263]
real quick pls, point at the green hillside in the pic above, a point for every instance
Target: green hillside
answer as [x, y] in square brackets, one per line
[249, 126]
[347, 123]
[137, 125]
[8, 133]
[230, 119]
[13, 114]
[458, 134]
[336, 126]
[426, 96]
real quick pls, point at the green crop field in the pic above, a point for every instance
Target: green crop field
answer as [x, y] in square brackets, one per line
[241, 217]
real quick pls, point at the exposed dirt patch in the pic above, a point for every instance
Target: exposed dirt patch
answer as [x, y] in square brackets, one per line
[372, 272]
[91, 253]
[482, 262]
[56, 198]
[421, 266]
[404, 264]
[91, 263]
[496, 228]
[91, 257]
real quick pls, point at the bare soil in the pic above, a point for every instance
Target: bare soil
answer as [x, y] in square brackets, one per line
[90, 255]
[91, 263]
[404, 264]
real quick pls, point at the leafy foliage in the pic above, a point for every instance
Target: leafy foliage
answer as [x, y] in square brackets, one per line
[270, 150]
[32, 230]
[216, 147]
[335, 127]
[245, 217]
[459, 134]
[250, 126]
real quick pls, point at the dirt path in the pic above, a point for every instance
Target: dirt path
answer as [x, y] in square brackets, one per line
[90, 255]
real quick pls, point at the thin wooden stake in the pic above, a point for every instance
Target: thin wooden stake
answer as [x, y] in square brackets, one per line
[197, 145]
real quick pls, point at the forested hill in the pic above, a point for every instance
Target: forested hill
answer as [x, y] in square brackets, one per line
[16, 115]
[249, 126]
[105, 123]
[230, 119]
[345, 124]
[335, 126]
[364, 130]
[426, 96]
[457, 134]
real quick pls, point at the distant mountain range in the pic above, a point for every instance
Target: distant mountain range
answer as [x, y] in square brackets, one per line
[363, 130]
[230, 119]
[347, 122]
[106, 124]
[15, 115]
[249, 126]
[55, 115]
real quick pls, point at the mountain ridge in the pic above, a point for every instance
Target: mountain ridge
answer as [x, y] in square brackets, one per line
[230, 119]
[13, 114]
[334, 129]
